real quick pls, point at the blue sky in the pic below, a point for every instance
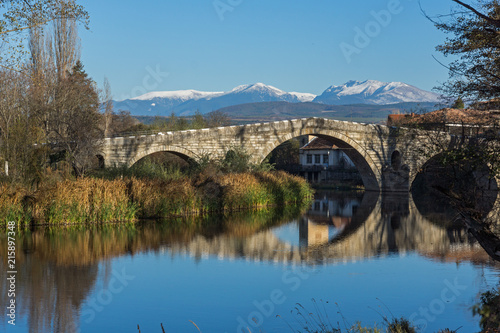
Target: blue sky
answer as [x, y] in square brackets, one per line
[294, 45]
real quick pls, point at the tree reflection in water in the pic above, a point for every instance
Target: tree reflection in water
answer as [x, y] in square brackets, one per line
[59, 268]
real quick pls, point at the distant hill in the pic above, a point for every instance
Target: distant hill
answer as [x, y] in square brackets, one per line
[274, 111]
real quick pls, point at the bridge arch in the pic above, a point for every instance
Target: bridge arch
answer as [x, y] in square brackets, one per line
[101, 164]
[370, 173]
[423, 165]
[102, 160]
[179, 151]
[432, 174]
[420, 167]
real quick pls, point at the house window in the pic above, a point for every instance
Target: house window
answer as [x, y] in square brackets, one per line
[325, 159]
[317, 159]
[309, 159]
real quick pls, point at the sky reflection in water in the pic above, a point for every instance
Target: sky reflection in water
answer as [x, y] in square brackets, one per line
[372, 256]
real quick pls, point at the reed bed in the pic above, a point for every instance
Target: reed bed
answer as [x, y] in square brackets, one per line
[157, 199]
[243, 190]
[95, 200]
[13, 201]
[285, 188]
[83, 200]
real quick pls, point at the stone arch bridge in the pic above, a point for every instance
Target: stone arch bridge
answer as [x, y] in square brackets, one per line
[384, 162]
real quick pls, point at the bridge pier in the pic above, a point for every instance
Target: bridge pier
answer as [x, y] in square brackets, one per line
[395, 180]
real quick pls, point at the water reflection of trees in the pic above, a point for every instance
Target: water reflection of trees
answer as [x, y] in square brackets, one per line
[59, 268]
[48, 295]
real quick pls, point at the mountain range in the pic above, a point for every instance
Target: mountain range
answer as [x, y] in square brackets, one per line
[187, 102]
[374, 92]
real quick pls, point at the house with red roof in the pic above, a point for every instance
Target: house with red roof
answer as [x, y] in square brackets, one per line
[320, 157]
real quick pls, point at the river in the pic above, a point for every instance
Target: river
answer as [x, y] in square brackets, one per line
[351, 256]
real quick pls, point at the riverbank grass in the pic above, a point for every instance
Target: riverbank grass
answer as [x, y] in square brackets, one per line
[12, 204]
[100, 200]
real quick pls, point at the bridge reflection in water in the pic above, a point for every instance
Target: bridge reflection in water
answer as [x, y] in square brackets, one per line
[327, 219]
[352, 228]
[68, 265]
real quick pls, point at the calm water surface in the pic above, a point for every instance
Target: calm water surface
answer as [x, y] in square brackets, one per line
[350, 257]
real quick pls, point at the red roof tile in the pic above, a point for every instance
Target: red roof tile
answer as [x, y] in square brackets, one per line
[319, 144]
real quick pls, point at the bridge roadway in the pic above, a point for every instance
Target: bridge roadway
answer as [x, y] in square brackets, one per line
[384, 161]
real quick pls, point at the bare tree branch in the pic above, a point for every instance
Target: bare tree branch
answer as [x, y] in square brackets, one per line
[478, 13]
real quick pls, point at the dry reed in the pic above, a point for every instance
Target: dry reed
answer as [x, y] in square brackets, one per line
[91, 200]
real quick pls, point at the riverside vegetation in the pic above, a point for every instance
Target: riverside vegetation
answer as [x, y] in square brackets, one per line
[152, 190]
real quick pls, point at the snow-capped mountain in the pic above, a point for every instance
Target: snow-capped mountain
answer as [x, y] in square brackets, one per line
[180, 95]
[162, 102]
[187, 102]
[374, 92]
[303, 97]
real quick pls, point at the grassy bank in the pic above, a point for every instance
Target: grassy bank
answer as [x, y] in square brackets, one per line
[88, 244]
[99, 200]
